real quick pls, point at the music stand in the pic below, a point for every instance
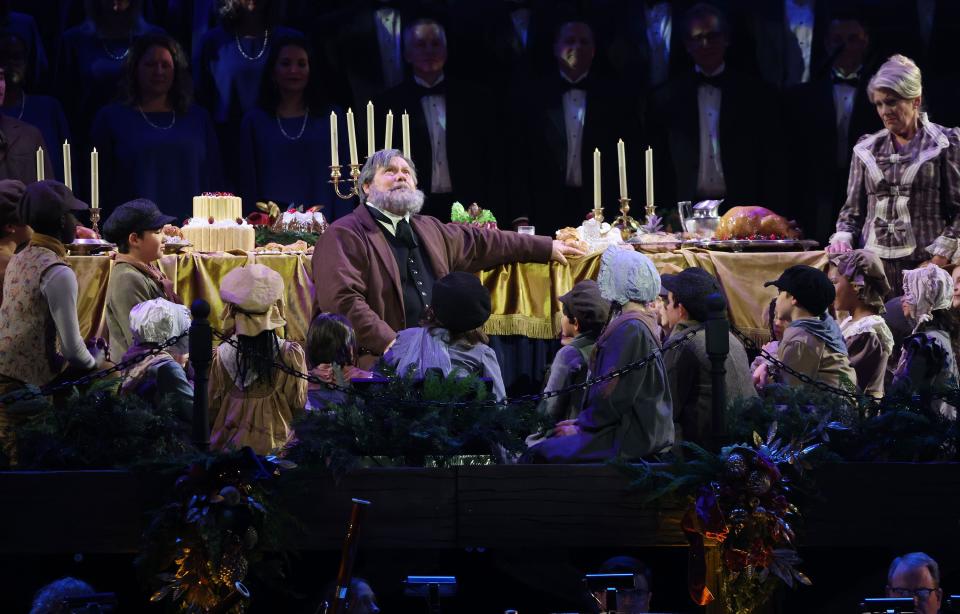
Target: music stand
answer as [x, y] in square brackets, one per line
[887, 605]
[431, 588]
[609, 584]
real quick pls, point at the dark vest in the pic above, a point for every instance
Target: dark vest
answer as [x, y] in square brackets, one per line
[416, 274]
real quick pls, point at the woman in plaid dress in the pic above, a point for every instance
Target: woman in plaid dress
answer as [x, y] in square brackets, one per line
[904, 188]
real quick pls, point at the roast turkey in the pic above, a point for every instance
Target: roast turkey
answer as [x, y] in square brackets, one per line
[755, 223]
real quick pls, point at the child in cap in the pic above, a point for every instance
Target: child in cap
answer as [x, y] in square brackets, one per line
[760, 367]
[928, 360]
[585, 313]
[450, 338]
[630, 415]
[812, 343]
[135, 228]
[152, 323]
[861, 283]
[332, 352]
[252, 402]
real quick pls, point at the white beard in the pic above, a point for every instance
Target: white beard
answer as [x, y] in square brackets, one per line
[397, 202]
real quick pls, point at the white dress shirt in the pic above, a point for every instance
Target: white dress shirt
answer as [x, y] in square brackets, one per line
[521, 24]
[659, 21]
[574, 118]
[435, 112]
[389, 29]
[844, 96]
[799, 15]
[710, 181]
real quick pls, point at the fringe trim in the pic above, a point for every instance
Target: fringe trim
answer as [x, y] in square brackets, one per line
[517, 324]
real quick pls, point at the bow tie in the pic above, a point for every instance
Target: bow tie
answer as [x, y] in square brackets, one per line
[440, 89]
[716, 81]
[851, 80]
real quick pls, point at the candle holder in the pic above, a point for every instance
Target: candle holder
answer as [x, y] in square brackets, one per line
[95, 220]
[598, 215]
[628, 226]
[335, 179]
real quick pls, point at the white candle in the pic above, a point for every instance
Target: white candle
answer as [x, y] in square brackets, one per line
[352, 137]
[388, 135]
[648, 163]
[371, 131]
[67, 166]
[622, 168]
[405, 125]
[334, 141]
[597, 203]
[94, 179]
[40, 173]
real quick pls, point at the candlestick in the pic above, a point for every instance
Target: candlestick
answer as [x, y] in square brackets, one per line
[371, 130]
[334, 140]
[648, 170]
[94, 179]
[597, 203]
[67, 166]
[40, 173]
[405, 125]
[352, 138]
[622, 168]
[388, 134]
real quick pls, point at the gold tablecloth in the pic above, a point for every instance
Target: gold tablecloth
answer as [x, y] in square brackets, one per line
[524, 295]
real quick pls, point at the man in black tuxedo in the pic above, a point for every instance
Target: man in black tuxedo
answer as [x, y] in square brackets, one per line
[788, 38]
[451, 124]
[828, 115]
[562, 117]
[714, 131]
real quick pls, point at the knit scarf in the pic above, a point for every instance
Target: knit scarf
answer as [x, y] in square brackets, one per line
[47, 242]
[154, 273]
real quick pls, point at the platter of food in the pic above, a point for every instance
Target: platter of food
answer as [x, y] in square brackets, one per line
[655, 242]
[89, 247]
[753, 245]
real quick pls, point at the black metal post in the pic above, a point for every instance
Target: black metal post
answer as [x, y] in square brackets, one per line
[718, 347]
[201, 354]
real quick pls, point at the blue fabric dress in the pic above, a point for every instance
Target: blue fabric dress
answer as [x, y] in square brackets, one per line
[227, 82]
[46, 113]
[169, 167]
[276, 167]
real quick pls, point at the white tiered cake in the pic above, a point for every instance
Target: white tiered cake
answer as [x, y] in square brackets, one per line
[217, 224]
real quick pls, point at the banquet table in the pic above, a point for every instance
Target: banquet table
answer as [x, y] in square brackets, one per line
[523, 295]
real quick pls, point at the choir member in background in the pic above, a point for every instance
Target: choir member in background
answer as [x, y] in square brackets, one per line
[903, 194]
[562, 117]
[20, 142]
[24, 26]
[91, 60]
[285, 140]
[450, 125]
[156, 144]
[717, 129]
[43, 112]
[831, 113]
[229, 65]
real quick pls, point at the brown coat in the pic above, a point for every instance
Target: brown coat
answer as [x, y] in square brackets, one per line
[355, 272]
[18, 158]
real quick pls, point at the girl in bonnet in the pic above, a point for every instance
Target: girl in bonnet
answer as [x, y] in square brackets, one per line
[254, 403]
[860, 283]
[631, 415]
[927, 362]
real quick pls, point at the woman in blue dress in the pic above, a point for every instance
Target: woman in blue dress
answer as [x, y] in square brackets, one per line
[43, 112]
[230, 62]
[285, 141]
[156, 144]
[92, 57]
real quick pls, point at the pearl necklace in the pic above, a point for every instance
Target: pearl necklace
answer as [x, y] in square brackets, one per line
[266, 39]
[153, 125]
[118, 58]
[303, 127]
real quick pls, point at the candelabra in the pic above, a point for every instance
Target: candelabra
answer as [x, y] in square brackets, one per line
[627, 225]
[335, 179]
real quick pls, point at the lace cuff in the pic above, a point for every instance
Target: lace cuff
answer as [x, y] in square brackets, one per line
[946, 247]
[842, 237]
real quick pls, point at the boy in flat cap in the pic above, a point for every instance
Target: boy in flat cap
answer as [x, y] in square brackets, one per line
[812, 343]
[585, 313]
[135, 228]
[688, 366]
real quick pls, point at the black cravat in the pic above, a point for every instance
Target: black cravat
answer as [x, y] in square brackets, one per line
[405, 235]
[716, 81]
[851, 80]
[440, 89]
